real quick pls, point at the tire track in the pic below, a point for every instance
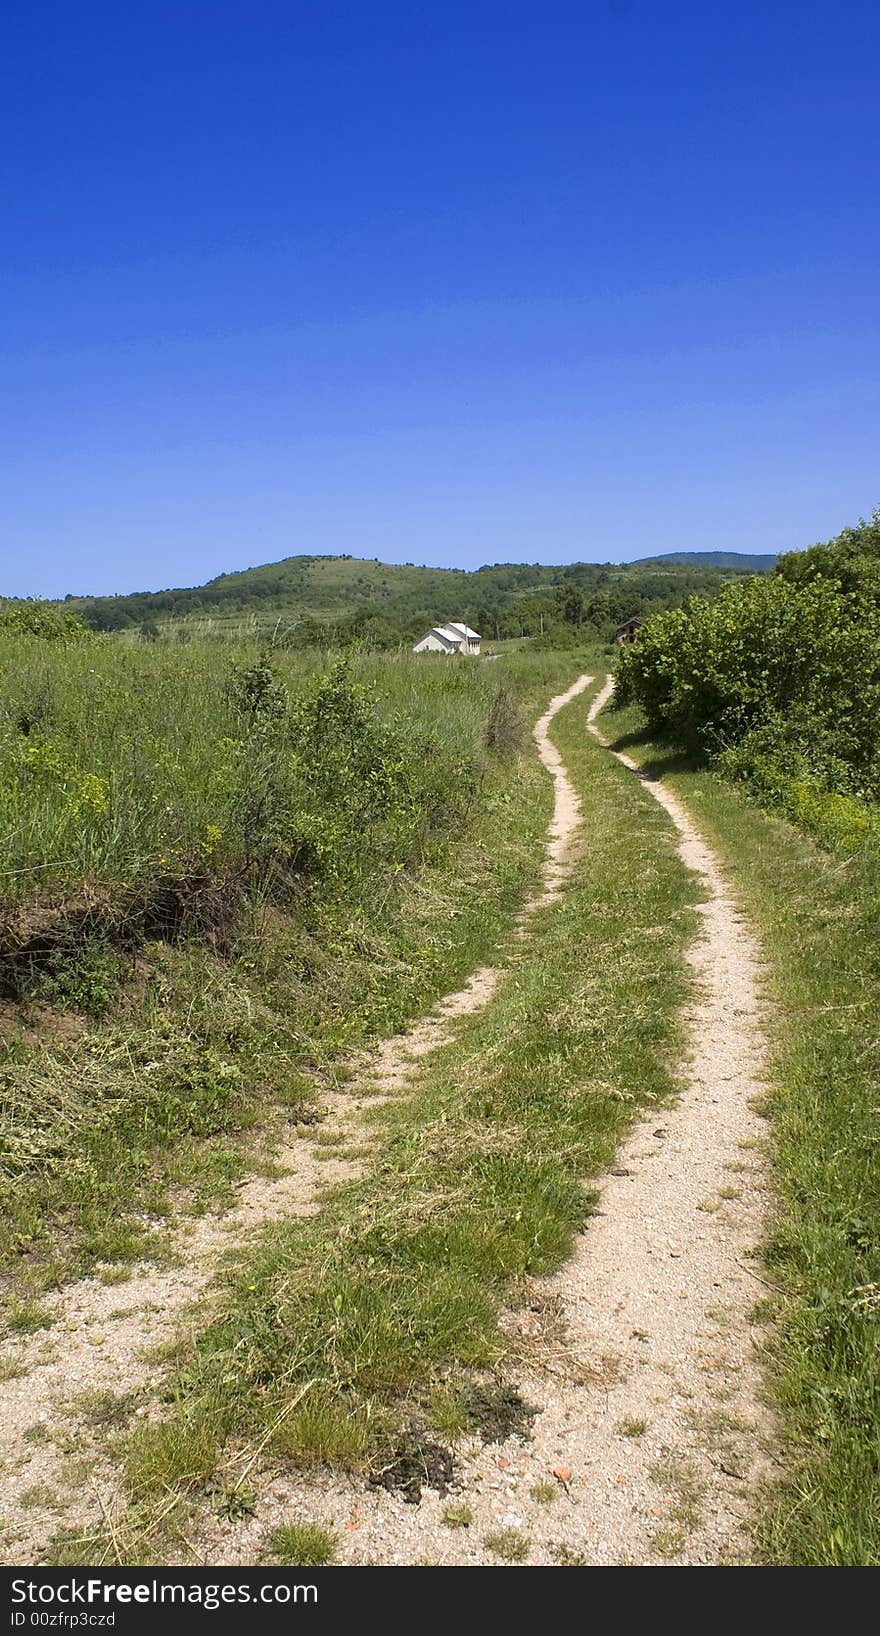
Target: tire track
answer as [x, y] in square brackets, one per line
[651, 1424]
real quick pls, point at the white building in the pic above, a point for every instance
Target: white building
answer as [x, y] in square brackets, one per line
[451, 638]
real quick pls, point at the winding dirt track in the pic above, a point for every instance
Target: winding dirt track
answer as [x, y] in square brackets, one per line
[651, 1433]
[102, 1335]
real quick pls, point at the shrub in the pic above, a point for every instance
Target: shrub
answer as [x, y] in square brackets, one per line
[44, 620]
[778, 677]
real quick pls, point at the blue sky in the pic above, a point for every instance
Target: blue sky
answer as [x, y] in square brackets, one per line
[447, 283]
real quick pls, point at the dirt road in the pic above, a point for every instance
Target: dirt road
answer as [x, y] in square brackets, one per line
[650, 1434]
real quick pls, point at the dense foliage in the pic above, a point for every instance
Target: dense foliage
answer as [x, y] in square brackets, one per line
[44, 619]
[778, 678]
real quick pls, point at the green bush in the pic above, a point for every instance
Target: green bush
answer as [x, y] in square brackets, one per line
[778, 678]
[43, 619]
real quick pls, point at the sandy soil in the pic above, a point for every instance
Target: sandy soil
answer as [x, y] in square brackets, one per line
[54, 1470]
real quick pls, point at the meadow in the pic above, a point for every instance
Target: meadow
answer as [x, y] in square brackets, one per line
[221, 871]
[127, 765]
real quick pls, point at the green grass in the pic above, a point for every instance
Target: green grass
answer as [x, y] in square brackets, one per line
[26, 1317]
[303, 1545]
[333, 1328]
[129, 769]
[631, 1426]
[818, 915]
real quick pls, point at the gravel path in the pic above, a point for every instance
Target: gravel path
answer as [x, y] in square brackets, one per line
[55, 1471]
[650, 1434]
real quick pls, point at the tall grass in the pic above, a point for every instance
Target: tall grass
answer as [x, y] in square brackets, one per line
[120, 761]
[290, 858]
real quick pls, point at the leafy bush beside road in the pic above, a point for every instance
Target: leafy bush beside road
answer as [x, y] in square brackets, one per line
[778, 679]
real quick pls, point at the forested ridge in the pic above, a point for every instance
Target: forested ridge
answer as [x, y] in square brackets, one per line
[307, 600]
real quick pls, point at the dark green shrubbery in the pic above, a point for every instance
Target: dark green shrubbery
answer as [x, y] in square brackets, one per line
[33, 618]
[779, 679]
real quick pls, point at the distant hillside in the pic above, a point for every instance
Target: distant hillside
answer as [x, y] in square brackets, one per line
[740, 561]
[308, 599]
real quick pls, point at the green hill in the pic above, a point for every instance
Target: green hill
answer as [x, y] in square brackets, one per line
[740, 561]
[305, 599]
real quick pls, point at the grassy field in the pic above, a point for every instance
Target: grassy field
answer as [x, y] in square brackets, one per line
[342, 1334]
[123, 765]
[818, 916]
[220, 880]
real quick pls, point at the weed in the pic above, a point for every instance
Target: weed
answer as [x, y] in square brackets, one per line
[26, 1317]
[544, 1492]
[85, 978]
[233, 1504]
[762, 1312]
[328, 1428]
[631, 1426]
[508, 1543]
[565, 1557]
[107, 1410]
[171, 1455]
[505, 724]
[38, 1498]
[447, 1409]
[303, 1544]
[669, 1542]
[457, 1516]
[39, 1432]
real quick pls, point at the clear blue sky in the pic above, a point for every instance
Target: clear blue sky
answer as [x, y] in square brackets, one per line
[444, 282]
